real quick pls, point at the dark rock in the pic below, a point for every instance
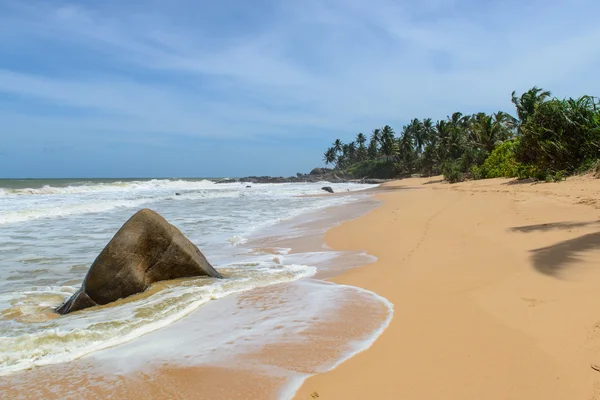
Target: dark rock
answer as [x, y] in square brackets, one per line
[327, 189]
[145, 250]
[316, 175]
[248, 186]
[177, 194]
[373, 181]
[320, 171]
[228, 180]
[337, 179]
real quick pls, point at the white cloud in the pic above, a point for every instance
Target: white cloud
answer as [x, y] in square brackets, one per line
[314, 66]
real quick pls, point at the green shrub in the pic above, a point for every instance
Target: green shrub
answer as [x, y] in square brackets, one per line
[502, 162]
[560, 137]
[478, 172]
[452, 171]
[380, 169]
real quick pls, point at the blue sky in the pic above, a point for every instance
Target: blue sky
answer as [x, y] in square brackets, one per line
[228, 88]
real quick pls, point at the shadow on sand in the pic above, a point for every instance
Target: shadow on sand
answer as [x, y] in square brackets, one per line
[526, 181]
[434, 181]
[553, 260]
[552, 226]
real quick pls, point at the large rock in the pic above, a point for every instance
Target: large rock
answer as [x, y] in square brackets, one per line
[146, 249]
[320, 171]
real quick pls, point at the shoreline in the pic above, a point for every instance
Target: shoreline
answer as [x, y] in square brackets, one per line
[494, 291]
[59, 379]
[494, 286]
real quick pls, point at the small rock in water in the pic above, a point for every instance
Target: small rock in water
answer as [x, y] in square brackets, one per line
[145, 250]
[327, 189]
[177, 194]
[248, 186]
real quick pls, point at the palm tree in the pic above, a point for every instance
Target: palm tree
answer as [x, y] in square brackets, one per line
[485, 133]
[406, 148]
[528, 101]
[329, 156]
[506, 124]
[373, 149]
[338, 146]
[418, 133]
[376, 135]
[361, 139]
[427, 130]
[442, 129]
[457, 119]
[387, 141]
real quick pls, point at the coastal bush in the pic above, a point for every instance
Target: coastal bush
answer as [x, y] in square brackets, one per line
[560, 137]
[379, 169]
[452, 171]
[467, 166]
[548, 140]
[501, 163]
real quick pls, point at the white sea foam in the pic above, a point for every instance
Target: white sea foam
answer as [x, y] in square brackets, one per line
[117, 186]
[357, 346]
[51, 234]
[243, 326]
[80, 334]
[49, 211]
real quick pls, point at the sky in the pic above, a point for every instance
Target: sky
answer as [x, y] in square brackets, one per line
[190, 88]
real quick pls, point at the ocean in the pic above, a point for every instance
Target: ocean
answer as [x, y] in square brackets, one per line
[52, 230]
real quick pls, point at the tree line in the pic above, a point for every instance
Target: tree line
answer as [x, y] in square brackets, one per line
[549, 138]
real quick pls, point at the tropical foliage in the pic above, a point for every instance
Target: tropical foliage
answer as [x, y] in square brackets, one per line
[548, 139]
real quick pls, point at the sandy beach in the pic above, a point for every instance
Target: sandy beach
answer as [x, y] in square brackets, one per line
[495, 290]
[494, 286]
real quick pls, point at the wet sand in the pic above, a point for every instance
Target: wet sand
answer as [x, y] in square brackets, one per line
[495, 286]
[278, 335]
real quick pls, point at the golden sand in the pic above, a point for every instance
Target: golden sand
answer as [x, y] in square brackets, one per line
[496, 289]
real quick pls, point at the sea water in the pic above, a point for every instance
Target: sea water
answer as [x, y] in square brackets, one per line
[51, 232]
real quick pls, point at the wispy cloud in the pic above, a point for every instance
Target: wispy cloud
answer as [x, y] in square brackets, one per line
[278, 71]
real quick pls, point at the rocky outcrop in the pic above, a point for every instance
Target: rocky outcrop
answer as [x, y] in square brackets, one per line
[320, 171]
[316, 175]
[370, 181]
[327, 189]
[333, 178]
[145, 250]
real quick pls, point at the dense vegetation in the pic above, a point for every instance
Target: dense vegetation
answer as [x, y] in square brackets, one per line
[549, 139]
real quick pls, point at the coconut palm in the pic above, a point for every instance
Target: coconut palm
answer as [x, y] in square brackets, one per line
[361, 139]
[528, 101]
[418, 134]
[548, 138]
[376, 135]
[428, 130]
[458, 119]
[373, 149]
[338, 146]
[406, 152]
[387, 141]
[485, 132]
[330, 156]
